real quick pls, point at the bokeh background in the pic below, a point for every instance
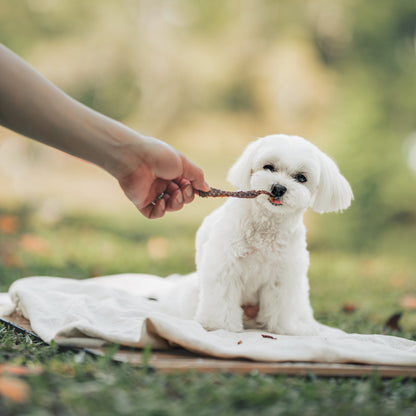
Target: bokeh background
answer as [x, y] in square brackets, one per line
[208, 77]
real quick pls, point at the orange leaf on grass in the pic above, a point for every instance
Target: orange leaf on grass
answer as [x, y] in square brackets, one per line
[14, 389]
[408, 302]
[94, 272]
[20, 370]
[11, 260]
[349, 308]
[8, 223]
[33, 244]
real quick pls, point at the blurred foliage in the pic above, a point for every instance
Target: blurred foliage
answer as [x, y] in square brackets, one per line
[26, 22]
[209, 76]
[374, 116]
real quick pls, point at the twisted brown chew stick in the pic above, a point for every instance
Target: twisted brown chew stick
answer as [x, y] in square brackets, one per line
[237, 194]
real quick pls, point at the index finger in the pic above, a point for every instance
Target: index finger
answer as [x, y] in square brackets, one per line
[153, 211]
[194, 174]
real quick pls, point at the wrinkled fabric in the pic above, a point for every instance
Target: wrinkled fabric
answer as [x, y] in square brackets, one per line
[117, 309]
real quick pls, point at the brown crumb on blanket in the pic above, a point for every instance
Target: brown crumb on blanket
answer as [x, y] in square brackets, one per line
[268, 336]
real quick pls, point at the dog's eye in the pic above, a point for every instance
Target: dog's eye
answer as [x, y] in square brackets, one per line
[300, 178]
[269, 167]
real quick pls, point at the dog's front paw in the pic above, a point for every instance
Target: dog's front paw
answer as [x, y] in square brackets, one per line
[211, 324]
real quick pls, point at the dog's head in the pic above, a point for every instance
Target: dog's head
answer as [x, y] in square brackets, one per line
[295, 172]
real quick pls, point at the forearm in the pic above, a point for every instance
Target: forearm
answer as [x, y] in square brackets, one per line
[34, 107]
[153, 175]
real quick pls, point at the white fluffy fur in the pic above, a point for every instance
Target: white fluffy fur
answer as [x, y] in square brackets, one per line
[250, 251]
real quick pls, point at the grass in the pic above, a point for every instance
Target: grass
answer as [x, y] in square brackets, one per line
[77, 384]
[73, 383]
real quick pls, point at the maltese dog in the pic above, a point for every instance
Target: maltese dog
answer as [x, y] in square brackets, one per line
[253, 251]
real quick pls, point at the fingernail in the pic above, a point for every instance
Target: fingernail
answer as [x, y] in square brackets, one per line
[179, 198]
[188, 191]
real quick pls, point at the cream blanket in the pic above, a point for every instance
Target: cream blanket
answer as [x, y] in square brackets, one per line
[116, 309]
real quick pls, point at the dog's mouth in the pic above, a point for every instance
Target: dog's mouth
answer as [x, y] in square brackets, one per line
[275, 201]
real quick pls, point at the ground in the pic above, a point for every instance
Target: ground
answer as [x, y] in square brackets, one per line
[354, 291]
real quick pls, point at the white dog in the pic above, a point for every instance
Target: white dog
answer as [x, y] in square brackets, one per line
[253, 251]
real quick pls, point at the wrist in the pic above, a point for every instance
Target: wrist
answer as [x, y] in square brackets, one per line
[119, 150]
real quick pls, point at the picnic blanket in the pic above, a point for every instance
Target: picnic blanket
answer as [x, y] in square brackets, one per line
[121, 309]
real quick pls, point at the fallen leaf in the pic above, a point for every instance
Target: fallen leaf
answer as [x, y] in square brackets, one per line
[392, 322]
[33, 244]
[8, 223]
[268, 336]
[94, 272]
[20, 370]
[14, 389]
[408, 302]
[349, 308]
[11, 260]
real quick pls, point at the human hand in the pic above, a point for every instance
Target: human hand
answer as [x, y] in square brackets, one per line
[161, 178]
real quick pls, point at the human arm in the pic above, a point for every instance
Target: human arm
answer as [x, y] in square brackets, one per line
[144, 166]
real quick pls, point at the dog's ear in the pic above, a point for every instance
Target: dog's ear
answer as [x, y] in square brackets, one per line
[334, 193]
[240, 173]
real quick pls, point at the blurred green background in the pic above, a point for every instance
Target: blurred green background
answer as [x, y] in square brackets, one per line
[208, 77]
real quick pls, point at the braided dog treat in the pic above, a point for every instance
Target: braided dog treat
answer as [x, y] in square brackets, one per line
[213, 192]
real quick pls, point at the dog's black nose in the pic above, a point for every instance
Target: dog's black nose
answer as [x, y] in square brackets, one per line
[278, 191]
